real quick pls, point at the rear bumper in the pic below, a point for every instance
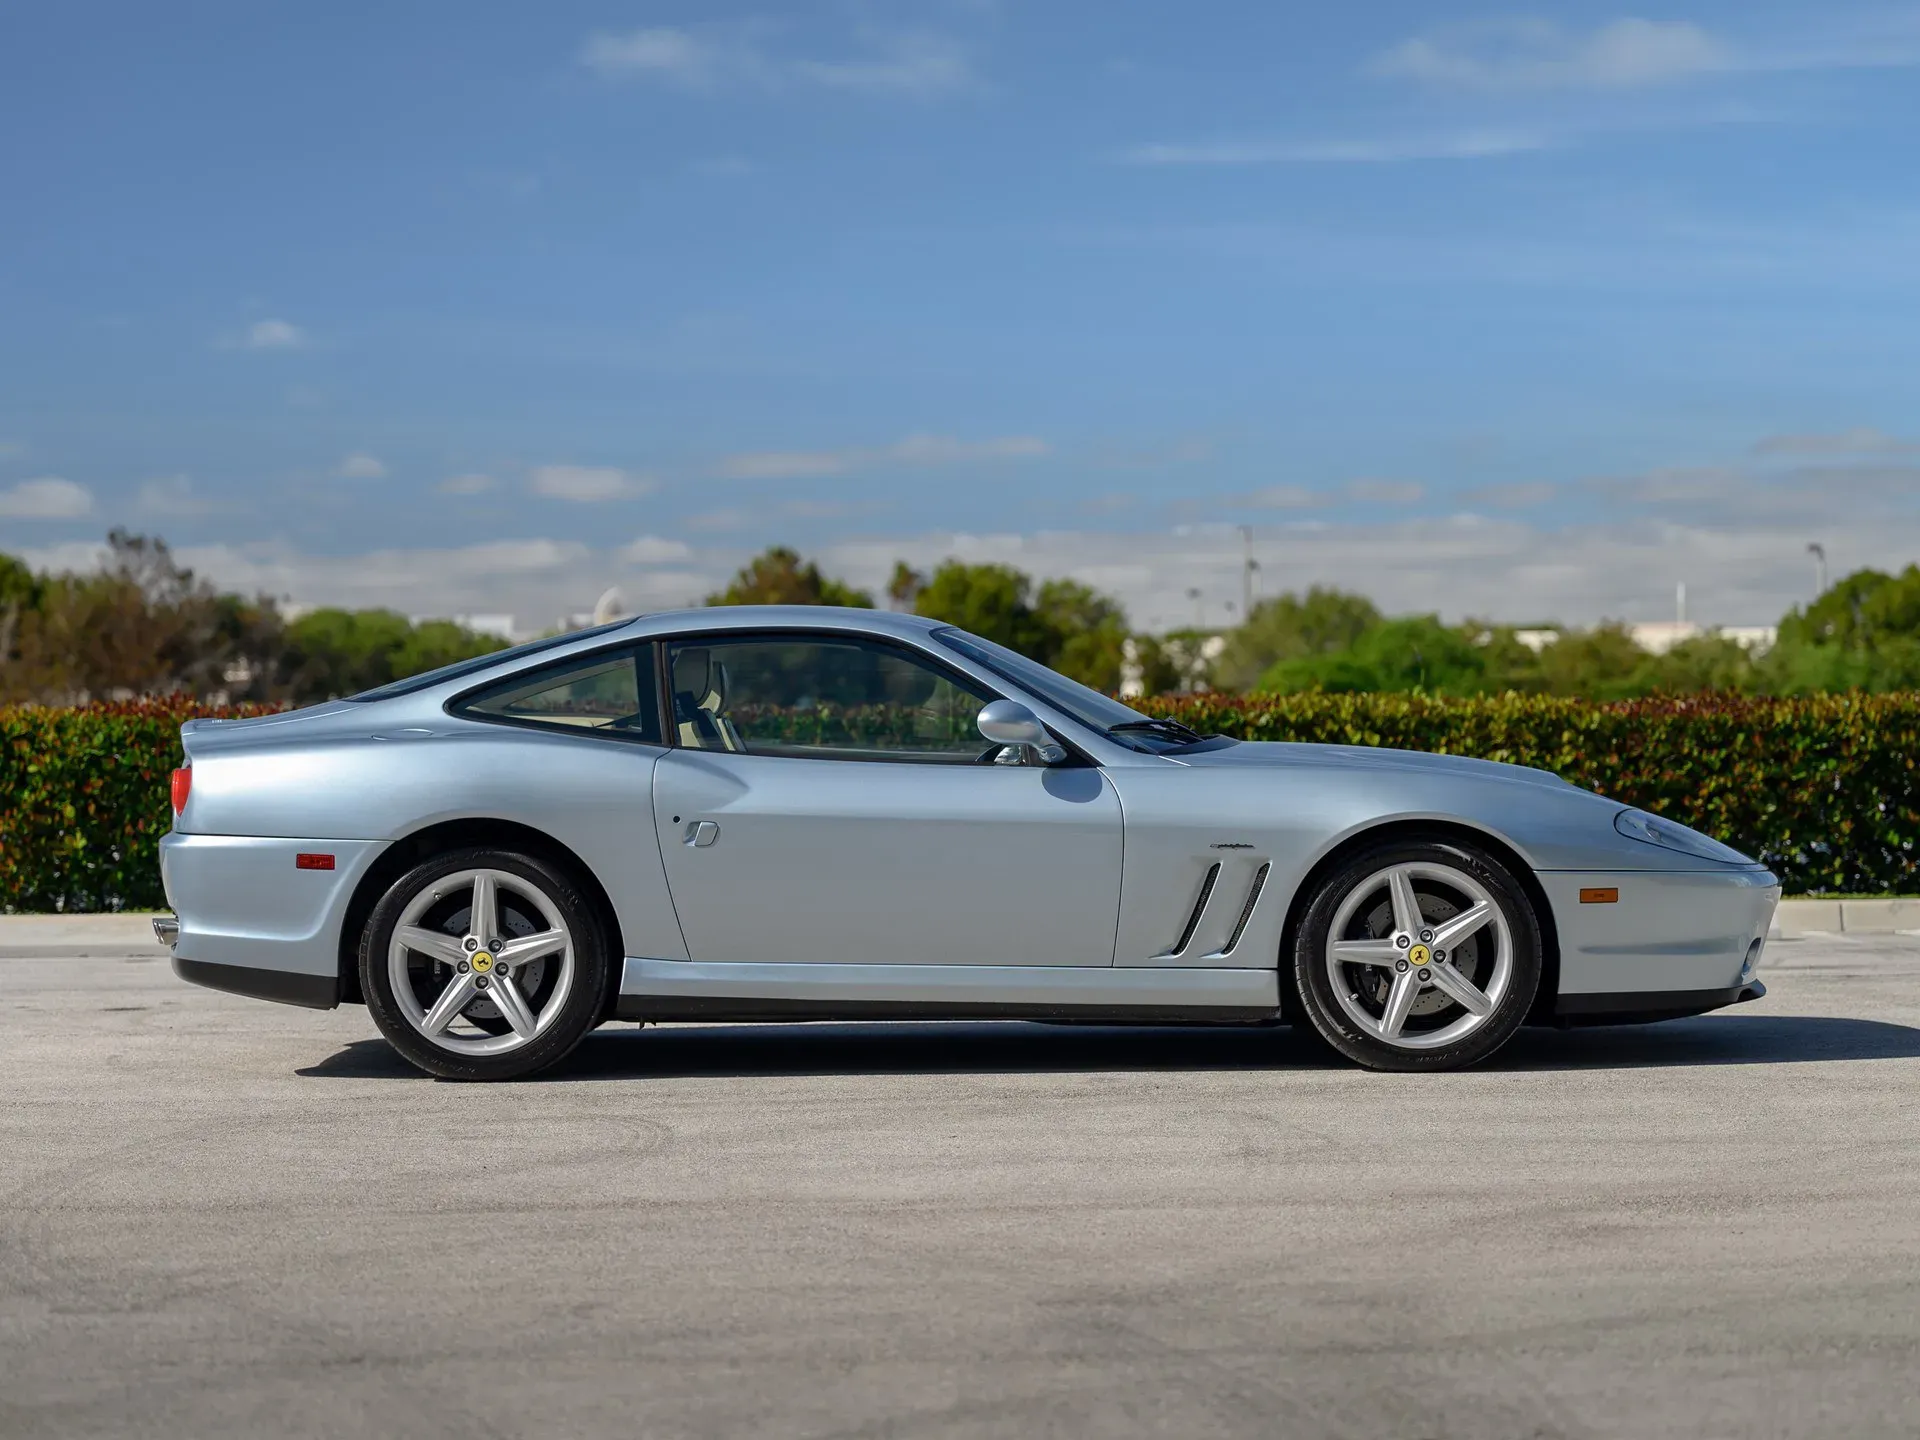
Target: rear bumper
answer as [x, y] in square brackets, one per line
[249, 919]
[315, 992]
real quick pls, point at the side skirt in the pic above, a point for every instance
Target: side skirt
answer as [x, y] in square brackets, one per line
[682, 990]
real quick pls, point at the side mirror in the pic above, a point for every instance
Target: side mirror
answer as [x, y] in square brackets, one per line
[1007, 722]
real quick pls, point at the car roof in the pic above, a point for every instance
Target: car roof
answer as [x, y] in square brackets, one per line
[805, 617]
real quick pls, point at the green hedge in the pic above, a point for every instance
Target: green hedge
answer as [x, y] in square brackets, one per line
[1824, 789]
[84, 802]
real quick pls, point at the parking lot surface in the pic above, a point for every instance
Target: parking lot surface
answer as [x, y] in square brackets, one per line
[224, 1217]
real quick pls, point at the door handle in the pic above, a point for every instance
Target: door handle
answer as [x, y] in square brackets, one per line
[700, 834]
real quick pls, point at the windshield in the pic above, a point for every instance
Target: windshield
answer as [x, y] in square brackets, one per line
[478, 663]
[1087, 705]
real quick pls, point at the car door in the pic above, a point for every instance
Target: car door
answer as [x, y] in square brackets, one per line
[830, 801]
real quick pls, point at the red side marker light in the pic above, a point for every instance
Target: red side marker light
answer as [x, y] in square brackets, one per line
[308, 861]
[182, 783]
[1600, 895]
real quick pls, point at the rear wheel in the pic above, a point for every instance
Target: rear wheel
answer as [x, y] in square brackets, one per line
[483, 965]
[1418, 957]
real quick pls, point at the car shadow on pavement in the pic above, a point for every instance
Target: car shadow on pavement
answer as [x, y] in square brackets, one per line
[1009, 1047]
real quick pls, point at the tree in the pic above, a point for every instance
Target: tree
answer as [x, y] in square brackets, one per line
[991, 601]
[1069, 626]
[905, 585]
[1598, 664]
[1414, 653]
[1291, 627]
[778, 576]
[1087, 632]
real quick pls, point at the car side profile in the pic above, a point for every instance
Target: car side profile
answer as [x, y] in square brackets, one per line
[793, 813]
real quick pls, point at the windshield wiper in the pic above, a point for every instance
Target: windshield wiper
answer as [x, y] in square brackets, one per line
[1172, 729]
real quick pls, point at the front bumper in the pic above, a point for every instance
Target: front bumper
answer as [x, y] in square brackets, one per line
[1666, 939]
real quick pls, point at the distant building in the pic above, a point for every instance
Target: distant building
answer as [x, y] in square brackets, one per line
[501, 626]
[1657, 637]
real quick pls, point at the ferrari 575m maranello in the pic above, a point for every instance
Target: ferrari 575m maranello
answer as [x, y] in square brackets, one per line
[775, 814]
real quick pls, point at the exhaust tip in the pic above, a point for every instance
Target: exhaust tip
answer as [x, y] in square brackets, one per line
[166, 929]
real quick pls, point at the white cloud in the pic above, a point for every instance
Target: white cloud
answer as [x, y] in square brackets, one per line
[274, 335]
[1736, 536]
[48, 497]
[1463, 145]
[1521, 495]
[732, 518]
[1627, 53]
[362, 466]
[1861, 441]
[1386, 492]
[917, 65]
[469, 484]
[914, 450]
[588, 484]
[652, 550]
[171, 495]
[659, 51]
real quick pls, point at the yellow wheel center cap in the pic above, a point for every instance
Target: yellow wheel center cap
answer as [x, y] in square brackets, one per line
[482, 962]
[1419, 955]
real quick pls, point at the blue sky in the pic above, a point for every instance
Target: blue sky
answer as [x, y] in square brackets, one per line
[483, 307]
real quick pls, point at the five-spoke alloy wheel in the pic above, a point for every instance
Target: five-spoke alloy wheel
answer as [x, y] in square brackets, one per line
[483, 965]
[1418, 957]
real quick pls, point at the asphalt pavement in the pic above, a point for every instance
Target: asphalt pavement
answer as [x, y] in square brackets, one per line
[224, 1217]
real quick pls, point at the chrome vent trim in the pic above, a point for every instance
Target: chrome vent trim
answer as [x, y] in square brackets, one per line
[1199, 909]
[1246, 910]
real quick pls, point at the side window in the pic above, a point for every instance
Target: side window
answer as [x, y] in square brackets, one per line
[824, 698]
[610, 692]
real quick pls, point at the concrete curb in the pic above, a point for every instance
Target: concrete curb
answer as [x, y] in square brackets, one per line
[130, 932]
[1840, 917]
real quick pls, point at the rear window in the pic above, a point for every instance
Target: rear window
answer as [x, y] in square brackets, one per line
[415, 683]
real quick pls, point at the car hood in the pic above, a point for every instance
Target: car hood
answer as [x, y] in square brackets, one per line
[1285, 754]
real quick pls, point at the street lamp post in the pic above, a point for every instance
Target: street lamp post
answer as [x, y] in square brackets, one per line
[1819, 553]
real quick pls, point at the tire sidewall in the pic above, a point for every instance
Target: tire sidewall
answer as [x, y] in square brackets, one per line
[579, 1013]
[1315, 987]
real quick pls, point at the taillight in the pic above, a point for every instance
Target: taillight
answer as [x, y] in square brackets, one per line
[182, 783]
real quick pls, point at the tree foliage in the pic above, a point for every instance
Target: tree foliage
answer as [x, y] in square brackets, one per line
[143, 624]
[778, 576]
[1066, 625]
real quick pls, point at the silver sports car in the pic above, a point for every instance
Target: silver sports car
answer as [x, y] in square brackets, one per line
[769, 813]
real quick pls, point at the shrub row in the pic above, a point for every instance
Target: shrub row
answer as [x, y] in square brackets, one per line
[83, 802]
[1824, 789]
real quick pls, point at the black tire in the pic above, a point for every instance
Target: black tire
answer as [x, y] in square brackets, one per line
[578, 1012]
[1424, 1048]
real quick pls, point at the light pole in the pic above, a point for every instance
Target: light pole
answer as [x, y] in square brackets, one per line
[1819, 553]
[1247, 566]
[1199, 615]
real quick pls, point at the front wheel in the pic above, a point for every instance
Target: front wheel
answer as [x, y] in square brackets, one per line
[1418, 956]
[483, 965]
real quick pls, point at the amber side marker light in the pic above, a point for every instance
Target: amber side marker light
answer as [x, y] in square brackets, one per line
[182, 784]
[305, 860]
[1600, 895]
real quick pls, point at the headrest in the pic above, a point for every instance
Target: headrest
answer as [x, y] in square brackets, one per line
[690, 673]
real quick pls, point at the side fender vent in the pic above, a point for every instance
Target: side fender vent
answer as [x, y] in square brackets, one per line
[1246, 910]
[1199, 909]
